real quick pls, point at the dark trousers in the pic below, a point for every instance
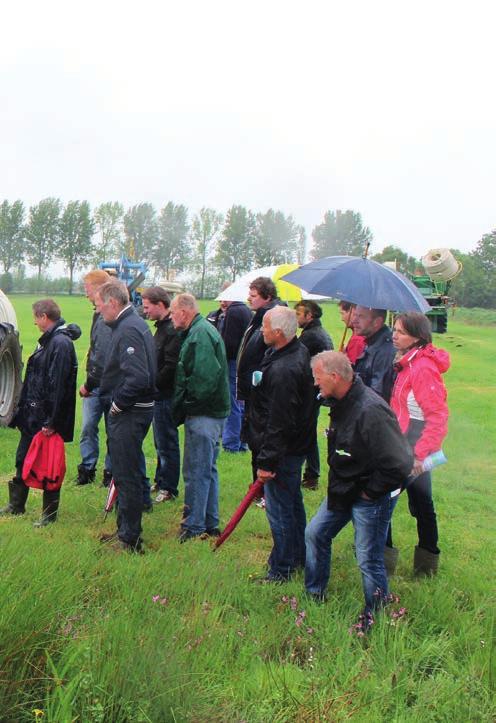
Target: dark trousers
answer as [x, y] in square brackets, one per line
[126, 432]
[21, 452]
[420, 502]
[421, 506]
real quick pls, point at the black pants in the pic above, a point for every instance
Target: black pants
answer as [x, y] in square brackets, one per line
[126, 432]
[420, 502]
[21, 452]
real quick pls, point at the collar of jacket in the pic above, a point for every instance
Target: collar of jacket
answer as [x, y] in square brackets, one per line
[311, 325]
[337, 405]
[272, 353]
[162, 322]
[49, 332]
[127, 311]
[383, 332]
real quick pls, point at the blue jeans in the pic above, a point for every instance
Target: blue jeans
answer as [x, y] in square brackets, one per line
[94, 407]
[230, 436]
[167, 446]
[126, 432]
[286, 515]
[201, 483]
[371, 521]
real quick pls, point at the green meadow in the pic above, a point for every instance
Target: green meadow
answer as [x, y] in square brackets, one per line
[182, 634]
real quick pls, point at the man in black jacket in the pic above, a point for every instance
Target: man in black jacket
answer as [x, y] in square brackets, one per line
[93, 404]
[262, 296]
[369, 459]
[128, 381]
[48, 400]
[375, 365]
[156, 305]
[316, 339]
[280, 432]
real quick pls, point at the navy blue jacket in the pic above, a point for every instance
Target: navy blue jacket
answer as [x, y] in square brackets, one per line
[131, 367]
[375, 365]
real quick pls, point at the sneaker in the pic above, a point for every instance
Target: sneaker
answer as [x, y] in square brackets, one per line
[163, 496]
[213, 532]
[269, 580]
[185, 535]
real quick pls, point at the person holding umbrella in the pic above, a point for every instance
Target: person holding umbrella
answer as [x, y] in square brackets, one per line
[419, 402]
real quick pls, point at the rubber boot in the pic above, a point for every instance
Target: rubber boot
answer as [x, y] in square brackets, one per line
[391, 555]
[50, 508]
[85, 475]
[18, 494]
[425, 563]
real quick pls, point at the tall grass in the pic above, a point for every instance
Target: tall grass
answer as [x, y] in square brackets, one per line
[182, 634]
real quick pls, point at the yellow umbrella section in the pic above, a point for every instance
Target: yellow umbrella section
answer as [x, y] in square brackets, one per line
[285, 290]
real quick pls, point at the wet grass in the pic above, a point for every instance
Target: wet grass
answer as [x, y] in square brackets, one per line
[181, 634]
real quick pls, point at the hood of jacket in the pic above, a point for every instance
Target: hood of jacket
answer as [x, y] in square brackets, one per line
[73, 331]
[439, 357]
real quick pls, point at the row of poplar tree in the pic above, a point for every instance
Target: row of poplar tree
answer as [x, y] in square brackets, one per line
[169, 241]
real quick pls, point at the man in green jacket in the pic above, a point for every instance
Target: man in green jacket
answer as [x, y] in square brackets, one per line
[201, 402]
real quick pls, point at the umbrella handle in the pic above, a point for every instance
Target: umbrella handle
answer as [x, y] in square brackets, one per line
[346, 327]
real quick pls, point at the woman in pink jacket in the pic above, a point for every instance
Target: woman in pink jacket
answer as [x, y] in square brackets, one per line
[419, 402]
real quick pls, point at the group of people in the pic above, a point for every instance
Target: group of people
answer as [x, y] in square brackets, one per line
[243, 378]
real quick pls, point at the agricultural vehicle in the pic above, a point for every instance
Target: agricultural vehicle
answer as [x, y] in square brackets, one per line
[441, 268]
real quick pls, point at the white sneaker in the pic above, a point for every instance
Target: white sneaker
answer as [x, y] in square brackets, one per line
[163, 496]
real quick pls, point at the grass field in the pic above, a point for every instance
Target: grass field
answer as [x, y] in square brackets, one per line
[181, 634]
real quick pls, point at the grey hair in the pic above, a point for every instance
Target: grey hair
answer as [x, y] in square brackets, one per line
[114, 290]
[334, 361]
[284, 319]
[186, 301]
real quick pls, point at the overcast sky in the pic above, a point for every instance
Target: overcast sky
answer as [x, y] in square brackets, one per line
[387, 108]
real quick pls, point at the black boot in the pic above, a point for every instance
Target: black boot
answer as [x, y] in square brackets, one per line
[85, 475]
[18, 494]
[107, 478]
[50, 508]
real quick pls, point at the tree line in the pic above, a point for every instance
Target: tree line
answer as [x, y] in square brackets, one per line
[209, 246]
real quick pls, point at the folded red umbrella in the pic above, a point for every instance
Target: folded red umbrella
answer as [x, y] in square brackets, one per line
[254, 491]
[44, 464]
[111, 498]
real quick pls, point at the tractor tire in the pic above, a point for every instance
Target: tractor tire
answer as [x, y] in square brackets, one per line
[10, 362]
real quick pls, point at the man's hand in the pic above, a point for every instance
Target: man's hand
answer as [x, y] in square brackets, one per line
[265, 475]
[83, 392]
[48, 431]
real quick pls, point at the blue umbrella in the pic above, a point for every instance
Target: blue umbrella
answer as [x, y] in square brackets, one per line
[361, 281]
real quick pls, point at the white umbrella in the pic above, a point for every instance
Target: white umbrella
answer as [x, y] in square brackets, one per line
[238, 290]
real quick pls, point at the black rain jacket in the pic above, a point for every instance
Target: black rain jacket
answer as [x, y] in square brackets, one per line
[167, 345]
[366, 450]
[251, 352]
[316, 338]
[100, 335]
[48, 397]
[281, 409]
